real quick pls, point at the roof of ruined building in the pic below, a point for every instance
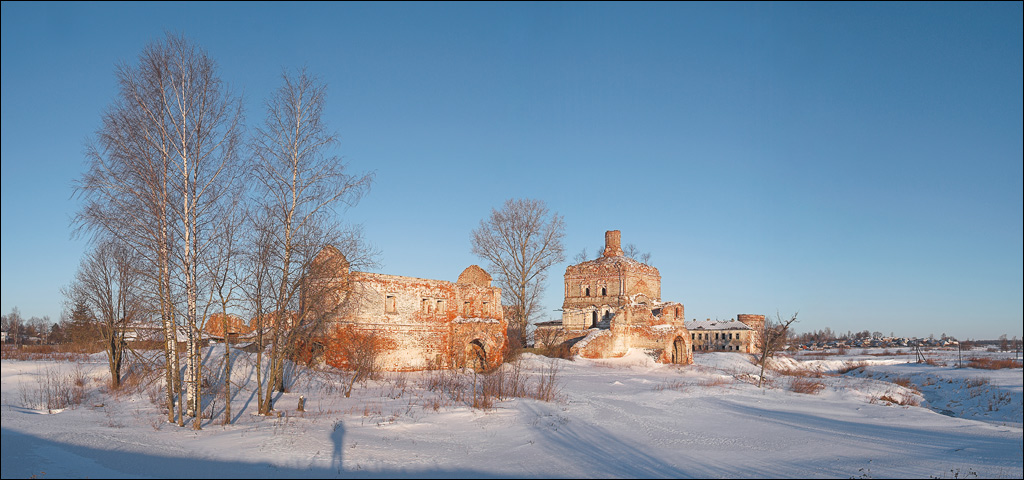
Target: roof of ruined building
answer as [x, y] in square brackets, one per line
[716, 325]
[474, 275]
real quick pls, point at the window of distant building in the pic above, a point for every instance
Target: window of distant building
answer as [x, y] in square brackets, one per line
[390, 304]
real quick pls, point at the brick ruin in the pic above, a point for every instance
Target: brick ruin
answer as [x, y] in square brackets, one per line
[421, 323]
[613, 304]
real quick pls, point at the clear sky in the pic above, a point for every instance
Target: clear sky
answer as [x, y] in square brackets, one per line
[858, 163]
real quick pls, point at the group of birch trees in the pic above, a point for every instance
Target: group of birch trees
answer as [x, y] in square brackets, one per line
[191, 213]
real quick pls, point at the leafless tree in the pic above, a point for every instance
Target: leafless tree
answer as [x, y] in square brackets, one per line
[772, 339]
[14, 323]
[301, 189]
[580, 256]
[633, 252]
[157, 170]
[222, 269]
[109, 284]
[256, 288]
[520, 242]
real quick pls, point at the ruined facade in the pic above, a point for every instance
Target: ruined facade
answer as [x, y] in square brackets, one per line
[420, 323]
[613, 304]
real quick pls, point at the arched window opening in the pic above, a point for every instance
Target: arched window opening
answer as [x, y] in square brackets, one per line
[476, 355]
[678, 350]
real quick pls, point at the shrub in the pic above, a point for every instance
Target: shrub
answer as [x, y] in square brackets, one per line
[548, 386]
[993, 363]
[60, 353]
[903, 382]
[806, 385]
[481, 390]
[713, 382]
[851, 366]
[904, 400]
[801, 372]
[357, 350]
[55, 391]
[677, 385]
[975, 382]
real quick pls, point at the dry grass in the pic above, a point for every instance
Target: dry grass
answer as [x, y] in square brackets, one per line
[482, 390]
[822, 355]
[901, 400]
[717, 381]
[55, 391]
[805, 385]
[903, 382]
[993, 363]
[59, 353]
[801, 372]
[677, 385]
[975, 382]
[851, 366]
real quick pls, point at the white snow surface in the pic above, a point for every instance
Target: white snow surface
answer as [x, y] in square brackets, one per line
[626, 417]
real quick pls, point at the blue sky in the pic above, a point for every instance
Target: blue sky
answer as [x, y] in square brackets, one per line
[858, 163]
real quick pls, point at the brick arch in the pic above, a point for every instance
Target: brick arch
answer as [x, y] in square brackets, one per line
[678, 348]
[476, 355]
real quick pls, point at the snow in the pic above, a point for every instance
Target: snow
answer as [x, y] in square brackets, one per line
[475, 320]
[716, 325]
[623, 417]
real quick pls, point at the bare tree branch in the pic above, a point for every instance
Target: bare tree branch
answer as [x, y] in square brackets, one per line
[520, 243]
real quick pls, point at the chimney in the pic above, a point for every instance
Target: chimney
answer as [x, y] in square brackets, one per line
[612, 243]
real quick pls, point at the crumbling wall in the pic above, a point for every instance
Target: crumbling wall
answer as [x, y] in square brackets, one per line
[636, 326]
[426, 323]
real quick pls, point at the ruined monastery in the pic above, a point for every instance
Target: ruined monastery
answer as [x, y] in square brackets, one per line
[612, 304]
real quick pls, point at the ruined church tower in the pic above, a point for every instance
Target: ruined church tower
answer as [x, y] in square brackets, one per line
[608, 282]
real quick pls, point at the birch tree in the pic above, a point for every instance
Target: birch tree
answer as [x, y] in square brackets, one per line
[520, 242]
[302, 187]
[157, 169]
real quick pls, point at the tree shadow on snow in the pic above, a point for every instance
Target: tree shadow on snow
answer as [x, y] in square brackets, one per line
[609, 455]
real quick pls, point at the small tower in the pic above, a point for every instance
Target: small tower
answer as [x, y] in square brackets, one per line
[753, 321]
[612, 243]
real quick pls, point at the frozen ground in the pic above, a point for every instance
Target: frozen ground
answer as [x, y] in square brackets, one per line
[626, 417]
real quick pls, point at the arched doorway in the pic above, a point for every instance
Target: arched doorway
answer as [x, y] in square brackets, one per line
[678, 350]
[476, 355]
[593, 319]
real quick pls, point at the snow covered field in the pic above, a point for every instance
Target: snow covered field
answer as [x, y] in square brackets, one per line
[626, 417]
